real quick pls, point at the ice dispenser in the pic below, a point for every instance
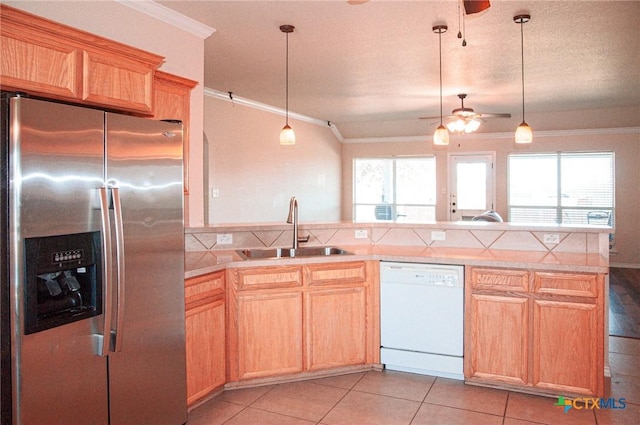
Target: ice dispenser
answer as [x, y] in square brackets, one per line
[63, 280]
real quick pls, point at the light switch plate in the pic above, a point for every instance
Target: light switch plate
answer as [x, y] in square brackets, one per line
[224, 239]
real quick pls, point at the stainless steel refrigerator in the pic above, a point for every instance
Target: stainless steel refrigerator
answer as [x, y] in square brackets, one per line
[92, 250]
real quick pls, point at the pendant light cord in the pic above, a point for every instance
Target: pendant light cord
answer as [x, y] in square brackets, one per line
[440, 56]
[287, 83]
[522, 62]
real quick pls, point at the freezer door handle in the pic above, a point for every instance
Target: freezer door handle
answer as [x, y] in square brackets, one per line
[103, 341]
[120, 271]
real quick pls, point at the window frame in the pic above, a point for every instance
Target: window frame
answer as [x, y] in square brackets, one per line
[559, 208]
[393, 201]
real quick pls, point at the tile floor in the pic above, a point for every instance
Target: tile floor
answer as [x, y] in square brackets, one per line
[396, 398]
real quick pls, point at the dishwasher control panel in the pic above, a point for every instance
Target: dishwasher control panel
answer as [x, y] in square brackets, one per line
[422, 274]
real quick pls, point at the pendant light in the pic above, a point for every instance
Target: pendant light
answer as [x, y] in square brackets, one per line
[287, 136]
[441, 136]
[524, 134]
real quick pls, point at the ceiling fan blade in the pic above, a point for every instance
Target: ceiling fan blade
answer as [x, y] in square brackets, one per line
[475, 6]
[489, 115]
[437, 117]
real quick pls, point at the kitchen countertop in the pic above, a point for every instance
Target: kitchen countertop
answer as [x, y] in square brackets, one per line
[198, 263]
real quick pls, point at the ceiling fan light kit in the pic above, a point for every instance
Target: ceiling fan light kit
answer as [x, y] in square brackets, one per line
[441, 135]
[524, 134]
[287, 135]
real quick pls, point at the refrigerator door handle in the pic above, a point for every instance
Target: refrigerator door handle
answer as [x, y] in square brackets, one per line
[120, 274]
[102, 342]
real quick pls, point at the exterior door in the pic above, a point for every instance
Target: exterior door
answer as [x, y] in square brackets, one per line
[471, 188]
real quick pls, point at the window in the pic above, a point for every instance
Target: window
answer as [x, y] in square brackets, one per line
[394, 189]
[562, 188]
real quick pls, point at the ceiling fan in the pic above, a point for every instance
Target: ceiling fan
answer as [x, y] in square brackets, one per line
[466, 120]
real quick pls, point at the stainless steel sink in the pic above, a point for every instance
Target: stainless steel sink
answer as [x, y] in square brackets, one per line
[307, 251]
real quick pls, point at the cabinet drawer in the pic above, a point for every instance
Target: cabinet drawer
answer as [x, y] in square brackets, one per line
[499, 279]
[571, 284]
[322, 274]
[203, 287]
[269, 277]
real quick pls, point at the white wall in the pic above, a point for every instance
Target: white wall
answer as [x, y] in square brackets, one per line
[183, 52]
[256, 177]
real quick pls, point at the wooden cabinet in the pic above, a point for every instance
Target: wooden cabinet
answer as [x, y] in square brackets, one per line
[499, 341]
[295, 319]
[539, 330]
[269, 333]
[172, 99]
[336, 327]
[48, 59]
[335, 315]
[205, 330]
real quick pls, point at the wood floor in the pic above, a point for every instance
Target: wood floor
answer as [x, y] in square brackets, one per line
[624, 302]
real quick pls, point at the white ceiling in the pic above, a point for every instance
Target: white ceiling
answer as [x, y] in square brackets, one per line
[372, 69]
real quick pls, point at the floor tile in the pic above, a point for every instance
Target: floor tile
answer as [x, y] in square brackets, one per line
[514, 421]
[408, 386]
[623, 386]
[371, 409]
[244, 396]
[624, 345]
[452, 393]
[624, 364]
[630, 415]
[304, 400]
[431, 414]
[542, 410]
[340, 381]
[214, 412]
[251, 416]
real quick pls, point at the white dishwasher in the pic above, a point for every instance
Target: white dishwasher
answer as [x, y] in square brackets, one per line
[421, 318]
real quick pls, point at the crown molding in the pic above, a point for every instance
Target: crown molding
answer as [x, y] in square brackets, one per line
[230, 97]
[169, 16]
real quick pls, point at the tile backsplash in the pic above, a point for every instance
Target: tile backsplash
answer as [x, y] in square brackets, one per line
[492, 236]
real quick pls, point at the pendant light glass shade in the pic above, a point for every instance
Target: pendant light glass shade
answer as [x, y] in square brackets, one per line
[441, 136]
[524, 134]
[287, 136]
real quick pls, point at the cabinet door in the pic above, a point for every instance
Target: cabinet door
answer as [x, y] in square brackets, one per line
[566, 346]
[269, 334]
[118, 82]
[335, 327]
[205, 329]
[497, 338]
[172, 98]
[41, 67]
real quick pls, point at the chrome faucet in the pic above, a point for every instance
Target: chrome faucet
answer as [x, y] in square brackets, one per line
[293, 219]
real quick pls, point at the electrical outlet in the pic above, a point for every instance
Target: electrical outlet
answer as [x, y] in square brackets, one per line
[438, 235]
[215, 193]
[551, 238]
[361, 234]
[224, 239]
